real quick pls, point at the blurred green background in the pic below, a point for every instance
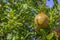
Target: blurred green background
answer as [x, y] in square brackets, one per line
[17, 19]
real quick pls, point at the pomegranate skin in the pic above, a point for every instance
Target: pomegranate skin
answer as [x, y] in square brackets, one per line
[41, 21]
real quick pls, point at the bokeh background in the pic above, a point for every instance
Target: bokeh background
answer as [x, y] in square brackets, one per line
[17, 19]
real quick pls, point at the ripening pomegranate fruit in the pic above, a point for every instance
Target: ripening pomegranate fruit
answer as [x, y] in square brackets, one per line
[41, 21]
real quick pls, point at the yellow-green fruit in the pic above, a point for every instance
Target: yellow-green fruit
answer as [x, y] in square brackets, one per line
[0, 6]
[41, 21]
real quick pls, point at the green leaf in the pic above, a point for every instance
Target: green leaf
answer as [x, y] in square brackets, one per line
[50, 36]
[43, 34]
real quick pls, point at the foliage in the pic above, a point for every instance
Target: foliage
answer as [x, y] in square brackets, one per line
[17, 19]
